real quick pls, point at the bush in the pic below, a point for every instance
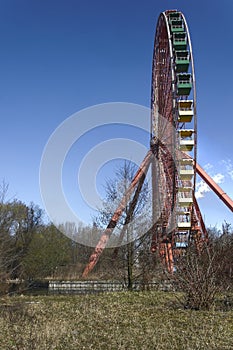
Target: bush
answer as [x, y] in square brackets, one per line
[197, 277]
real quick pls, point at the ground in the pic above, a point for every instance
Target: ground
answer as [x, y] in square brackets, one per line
[124, 320]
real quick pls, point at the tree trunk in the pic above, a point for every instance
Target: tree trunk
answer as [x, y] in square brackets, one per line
[130, 263]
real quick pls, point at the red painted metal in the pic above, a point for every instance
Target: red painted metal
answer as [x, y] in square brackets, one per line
[216, 188]
[201, 221]
[117, 214]
[130, 213]
[163, 138]
[166, 256]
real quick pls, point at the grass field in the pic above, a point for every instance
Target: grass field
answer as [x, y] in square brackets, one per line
[139, 320]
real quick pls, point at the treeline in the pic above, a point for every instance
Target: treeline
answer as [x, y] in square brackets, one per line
[32, 249]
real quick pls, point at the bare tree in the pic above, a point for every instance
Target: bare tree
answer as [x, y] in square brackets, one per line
[199, 276]
[133, 222]
[223, 246]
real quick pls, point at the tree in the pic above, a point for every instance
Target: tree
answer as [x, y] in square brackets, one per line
[8, 253]
[197, 277]
[134, 223]
[18, 223]
[47, 250]
[223, 247]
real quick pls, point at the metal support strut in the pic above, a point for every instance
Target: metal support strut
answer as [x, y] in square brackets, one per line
[216, 188]
[117, 214]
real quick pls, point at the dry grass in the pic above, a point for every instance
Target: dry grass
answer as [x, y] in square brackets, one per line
[145, 320]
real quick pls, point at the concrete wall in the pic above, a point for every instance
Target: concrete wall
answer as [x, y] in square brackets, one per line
[78, 287]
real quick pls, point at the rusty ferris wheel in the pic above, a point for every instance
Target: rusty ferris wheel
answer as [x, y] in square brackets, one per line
[173, 151]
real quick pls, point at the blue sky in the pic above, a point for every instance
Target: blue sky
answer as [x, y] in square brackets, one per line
[58, 57]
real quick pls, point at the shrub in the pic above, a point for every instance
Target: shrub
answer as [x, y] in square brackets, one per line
[197, 277]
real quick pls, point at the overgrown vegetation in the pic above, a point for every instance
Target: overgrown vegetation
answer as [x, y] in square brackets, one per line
[197, 315]
[201, 274]
[31, 249]
[197, 277]
[145, 320]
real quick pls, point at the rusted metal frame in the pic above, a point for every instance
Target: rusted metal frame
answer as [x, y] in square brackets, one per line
[169, 161]
[164, 193]
[200, 219]
[117, 214]
[160, 81]
[163, 254]
[130, 213]
[159, 69]
[168, 175]
[155, 200]
[168, 180]
[216, 188]
[169, 253]
[164, 242]
[170, 259]
[168, 90]
[162, 67]
[167, 95]
[164, 125]
[166, 256]
[170, 169]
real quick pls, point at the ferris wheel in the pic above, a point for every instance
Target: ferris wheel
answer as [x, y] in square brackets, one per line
[177, 219]
[174, 137]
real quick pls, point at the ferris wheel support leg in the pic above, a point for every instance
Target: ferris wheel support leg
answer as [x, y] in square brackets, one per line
[155, 206]
[170, 263]
[116, 216]
[216, 188]
[130, 212]
[166, 255]
[200, 219]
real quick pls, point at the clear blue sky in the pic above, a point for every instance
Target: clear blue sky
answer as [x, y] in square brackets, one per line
[58, 57]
